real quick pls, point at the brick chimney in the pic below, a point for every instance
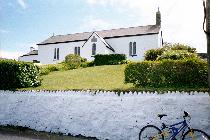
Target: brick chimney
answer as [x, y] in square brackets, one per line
[158, 18]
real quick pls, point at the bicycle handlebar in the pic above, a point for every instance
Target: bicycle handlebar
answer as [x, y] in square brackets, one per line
[186, 114]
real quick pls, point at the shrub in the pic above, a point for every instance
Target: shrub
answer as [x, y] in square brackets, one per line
[168, 73]
[46, 69]
[177, 55]
[15, 74]
[87, 64]
[125, 62]
[134, 74]
[152, 55]
[73, 61]
[109, 59]
[178, 46]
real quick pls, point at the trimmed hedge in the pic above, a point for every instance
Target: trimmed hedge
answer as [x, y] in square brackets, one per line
[15, 75]
[109, 59]
[168, 73]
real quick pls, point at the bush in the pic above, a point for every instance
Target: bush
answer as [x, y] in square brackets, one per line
[15, 75]
[125, 62]
[87, 64]
[109, 59]
[178, 46]
[73, 61]
[177, 55]
[168, 73]
[152, 55]
[46, 69]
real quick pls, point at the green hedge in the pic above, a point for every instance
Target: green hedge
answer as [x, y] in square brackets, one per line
[168, 73]
[109, 59]
[15, 75]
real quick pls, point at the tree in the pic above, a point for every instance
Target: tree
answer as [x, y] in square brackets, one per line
[207, 31]
[208, 37]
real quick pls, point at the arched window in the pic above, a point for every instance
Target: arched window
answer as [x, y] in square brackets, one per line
[93, 49]
[56, 54]
[132, 49]
[77, 50]
[94, 39]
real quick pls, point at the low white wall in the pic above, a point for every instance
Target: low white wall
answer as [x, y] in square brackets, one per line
[101, 115]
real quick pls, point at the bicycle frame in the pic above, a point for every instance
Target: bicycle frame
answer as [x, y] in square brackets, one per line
[174, 130]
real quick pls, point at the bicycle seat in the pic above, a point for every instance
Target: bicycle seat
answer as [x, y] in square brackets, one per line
[161, 116]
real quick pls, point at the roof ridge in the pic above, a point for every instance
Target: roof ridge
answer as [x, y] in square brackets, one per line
[110, 33]
[104, 30]
[125, 28]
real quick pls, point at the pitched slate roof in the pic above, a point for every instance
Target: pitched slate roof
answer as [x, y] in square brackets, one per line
[113, 33]
[33, 52]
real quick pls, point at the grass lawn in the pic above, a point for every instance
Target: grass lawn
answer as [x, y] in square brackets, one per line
[109, 77]
[98, 77]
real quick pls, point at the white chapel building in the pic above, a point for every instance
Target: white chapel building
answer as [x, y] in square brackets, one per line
[132, 41]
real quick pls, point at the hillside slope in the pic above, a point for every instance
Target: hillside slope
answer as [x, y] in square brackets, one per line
[109, 77]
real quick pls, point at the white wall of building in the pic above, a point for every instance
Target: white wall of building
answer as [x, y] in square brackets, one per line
[86, 50]
[28, 58]
[46, 52]
[143, 43]
[120, 45]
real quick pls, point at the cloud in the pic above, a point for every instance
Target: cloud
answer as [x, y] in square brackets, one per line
[22, 3]
[10, 54]
[181, 20]
[3, 31]
[23, 49]
[92, 23]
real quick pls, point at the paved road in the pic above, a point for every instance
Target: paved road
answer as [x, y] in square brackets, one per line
[14, 134]
[13, 137]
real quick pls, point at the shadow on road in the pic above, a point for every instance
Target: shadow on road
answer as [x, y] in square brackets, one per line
[21, 133]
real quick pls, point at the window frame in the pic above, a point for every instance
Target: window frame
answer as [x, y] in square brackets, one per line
[132, 49]
[93, 49]
[56, 54]
[77, 51]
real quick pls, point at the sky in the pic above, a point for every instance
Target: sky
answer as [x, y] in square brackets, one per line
[25, 23]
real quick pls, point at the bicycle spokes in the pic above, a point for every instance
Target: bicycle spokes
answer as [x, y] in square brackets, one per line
[196, 135]
[151, 134]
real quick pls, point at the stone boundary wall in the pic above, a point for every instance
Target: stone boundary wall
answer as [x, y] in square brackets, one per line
[104, 115]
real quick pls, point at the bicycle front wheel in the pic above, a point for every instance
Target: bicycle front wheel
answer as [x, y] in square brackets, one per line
[150, 132]
[195, 134]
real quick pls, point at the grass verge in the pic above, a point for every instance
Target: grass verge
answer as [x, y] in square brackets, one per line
[108, 77]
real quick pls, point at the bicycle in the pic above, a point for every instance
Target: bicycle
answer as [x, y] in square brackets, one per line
[152, 132]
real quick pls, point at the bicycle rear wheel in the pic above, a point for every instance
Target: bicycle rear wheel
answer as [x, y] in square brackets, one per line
[150, 132]
[195, 134]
